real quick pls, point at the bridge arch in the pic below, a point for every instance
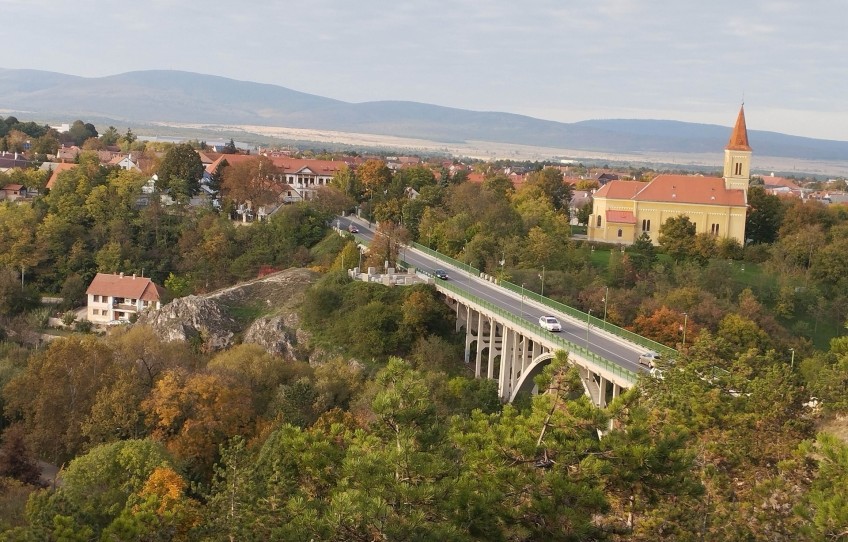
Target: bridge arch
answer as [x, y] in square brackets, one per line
[526, 381]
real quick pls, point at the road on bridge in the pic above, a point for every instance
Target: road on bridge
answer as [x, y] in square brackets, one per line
[602, 343]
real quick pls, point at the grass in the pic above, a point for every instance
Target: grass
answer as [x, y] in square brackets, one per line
[245, 314]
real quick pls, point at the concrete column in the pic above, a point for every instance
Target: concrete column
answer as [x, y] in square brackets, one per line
[602, 391]
[517, 359]
[506, 361]
[478, 358]
[616, 390]
[493, 337]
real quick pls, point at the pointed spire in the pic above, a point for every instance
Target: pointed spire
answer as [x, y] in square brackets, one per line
[739, 136]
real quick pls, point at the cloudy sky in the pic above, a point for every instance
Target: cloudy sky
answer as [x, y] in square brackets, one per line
[564, 60]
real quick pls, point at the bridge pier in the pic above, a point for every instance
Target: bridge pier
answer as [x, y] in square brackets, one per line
[517, 352]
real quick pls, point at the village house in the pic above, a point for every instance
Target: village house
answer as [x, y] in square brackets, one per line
[118, 297]
[624, 210]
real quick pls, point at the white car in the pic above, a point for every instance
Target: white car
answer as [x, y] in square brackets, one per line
[649, 359]
[550, 323]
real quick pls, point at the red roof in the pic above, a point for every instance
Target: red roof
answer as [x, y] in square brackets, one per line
[739, 136]
[13, 187]
[691, 189]
[131, 287]
[619, 217]
[285, 163]
[676, 189]
[620, 189]
[56, 171]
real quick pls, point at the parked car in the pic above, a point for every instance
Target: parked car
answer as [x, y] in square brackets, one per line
[550, 323]
[441, 274]
[649, 359]
[352, 228]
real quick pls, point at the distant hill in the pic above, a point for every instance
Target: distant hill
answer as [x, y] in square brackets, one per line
[175, 96]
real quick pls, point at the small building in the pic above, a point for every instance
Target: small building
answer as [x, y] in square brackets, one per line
[118, 297]
[13, 192]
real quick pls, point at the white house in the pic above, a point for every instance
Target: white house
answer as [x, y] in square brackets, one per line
[118, 297]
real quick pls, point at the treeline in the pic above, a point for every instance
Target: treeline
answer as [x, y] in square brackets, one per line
[166, 445]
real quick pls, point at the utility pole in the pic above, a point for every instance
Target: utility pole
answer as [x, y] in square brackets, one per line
[543, 281]
[522, 300]
[685, 320]
[606, 300]
[588, 317]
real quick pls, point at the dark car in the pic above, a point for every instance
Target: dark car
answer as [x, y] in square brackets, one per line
[441, 274]
[352, 229]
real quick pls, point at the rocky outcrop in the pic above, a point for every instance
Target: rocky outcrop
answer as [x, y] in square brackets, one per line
[193, 318]
[209, 320]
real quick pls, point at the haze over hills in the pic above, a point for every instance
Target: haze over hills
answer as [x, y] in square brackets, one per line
[190, 98]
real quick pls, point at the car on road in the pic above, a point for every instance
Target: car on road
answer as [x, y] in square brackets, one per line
[352, 228]
[550, 323]
[649, 359]
[441, 274]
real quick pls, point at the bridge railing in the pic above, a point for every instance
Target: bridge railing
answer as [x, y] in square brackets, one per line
[561, 307]
[564, 344]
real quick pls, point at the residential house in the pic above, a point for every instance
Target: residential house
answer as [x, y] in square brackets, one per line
[13, 192]
[68, 154]
[624, 210]
[125, 162]
[118, 297]
[12, 160]
[57, 170]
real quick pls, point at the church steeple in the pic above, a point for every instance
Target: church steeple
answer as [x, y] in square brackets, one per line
[739, 136]
[737, 156]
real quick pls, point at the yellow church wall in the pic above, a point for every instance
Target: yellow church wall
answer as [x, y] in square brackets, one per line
[730, 220]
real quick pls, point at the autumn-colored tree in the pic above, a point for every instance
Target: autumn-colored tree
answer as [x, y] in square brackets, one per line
[664, 326]
[251, 180]
[193, 414]
[16, 460]
[374, 175]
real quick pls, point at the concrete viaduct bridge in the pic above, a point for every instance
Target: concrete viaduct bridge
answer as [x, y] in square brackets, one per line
[504, 341]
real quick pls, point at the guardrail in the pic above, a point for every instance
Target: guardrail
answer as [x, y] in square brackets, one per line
[561, 307]
[564, 344]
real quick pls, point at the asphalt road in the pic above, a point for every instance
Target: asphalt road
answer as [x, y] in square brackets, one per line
[603, 344]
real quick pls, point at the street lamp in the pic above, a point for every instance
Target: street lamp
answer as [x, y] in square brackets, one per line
[522, 300]
[606, 300]
[685, 320]
[543, 281]
[588, 316]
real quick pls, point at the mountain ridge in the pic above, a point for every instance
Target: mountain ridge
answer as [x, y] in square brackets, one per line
[186, 97]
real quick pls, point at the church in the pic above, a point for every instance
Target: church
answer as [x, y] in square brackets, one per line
[624, 210]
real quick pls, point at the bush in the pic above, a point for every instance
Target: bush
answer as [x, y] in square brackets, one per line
[69, 318]
[83, 326]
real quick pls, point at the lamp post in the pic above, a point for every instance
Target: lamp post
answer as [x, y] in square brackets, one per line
[522, 300]
[685, 320]
[606, 300]
[543, 281]
[588, 316]
[792, 363]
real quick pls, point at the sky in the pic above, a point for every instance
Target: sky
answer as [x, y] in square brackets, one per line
[562, 60]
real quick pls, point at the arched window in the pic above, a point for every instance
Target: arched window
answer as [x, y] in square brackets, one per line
[619, 232]
[599, 221]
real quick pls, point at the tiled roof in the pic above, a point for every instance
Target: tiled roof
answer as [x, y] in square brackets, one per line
[13, 187]
[620, 189]
[621, 217]
[739, 136]
[125, 286]
[285, 163]
[690, 189]
[59, 168]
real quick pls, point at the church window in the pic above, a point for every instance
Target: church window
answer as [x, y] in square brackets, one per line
[646, 224]
[599, 221]
[619, 232]
[738, 168]
[714, 229]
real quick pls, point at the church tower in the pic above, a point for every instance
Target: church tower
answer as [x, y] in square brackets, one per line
[737, 156]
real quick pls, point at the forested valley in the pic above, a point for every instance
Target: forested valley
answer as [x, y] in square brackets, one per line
[389, 436]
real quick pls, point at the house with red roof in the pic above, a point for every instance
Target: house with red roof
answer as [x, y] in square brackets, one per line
[118, 297]
[623, 210]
